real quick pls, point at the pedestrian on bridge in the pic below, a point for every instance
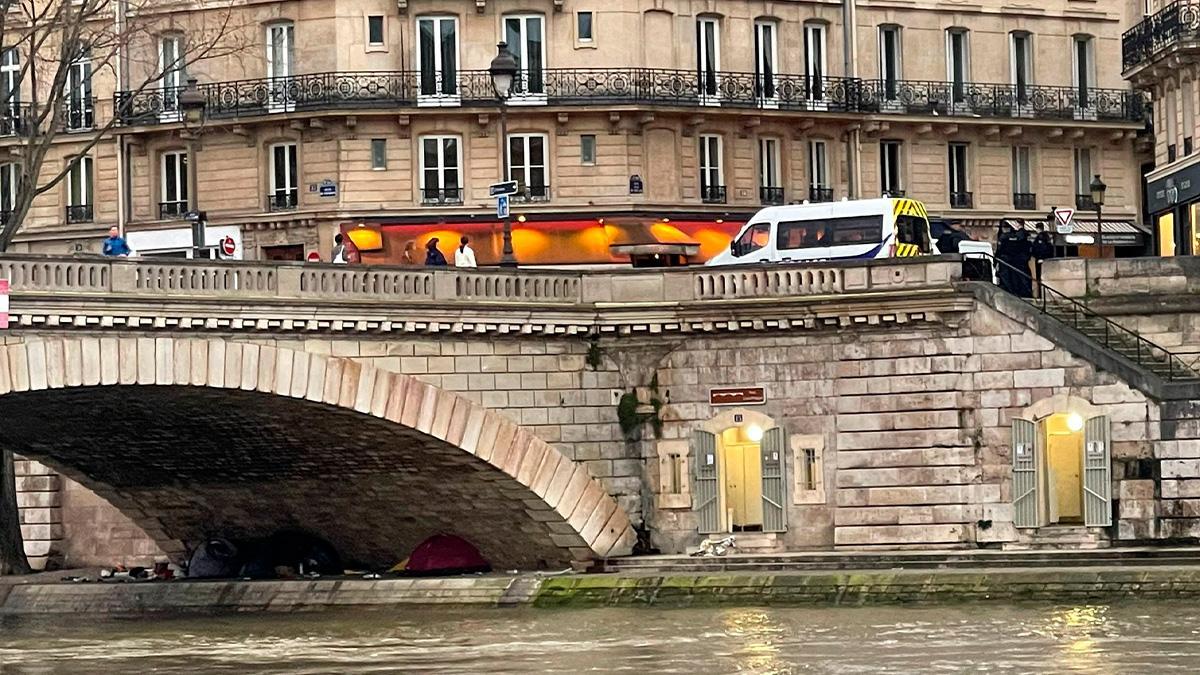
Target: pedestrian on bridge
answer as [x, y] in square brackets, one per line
[115, 245]
[434, 257]
[464, 255]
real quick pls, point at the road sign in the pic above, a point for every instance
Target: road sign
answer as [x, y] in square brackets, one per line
[1063, 220]
[228, 246]
[327, 188]
[505, 188]
[313, 256]
[3, 303]
[502, 207]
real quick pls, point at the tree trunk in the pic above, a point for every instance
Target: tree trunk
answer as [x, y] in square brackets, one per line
[12, 547]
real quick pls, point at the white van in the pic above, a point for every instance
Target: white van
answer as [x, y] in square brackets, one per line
[846, 230]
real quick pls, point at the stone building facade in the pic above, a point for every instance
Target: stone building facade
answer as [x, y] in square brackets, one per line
[338, 114]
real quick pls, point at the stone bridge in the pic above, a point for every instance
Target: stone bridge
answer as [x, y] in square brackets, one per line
[376, 406]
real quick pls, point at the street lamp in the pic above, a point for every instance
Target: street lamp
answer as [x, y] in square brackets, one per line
[1097, 188]
[503, 71]
[192, 103]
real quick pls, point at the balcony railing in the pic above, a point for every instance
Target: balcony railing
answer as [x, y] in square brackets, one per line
[79, 115]
[1025, 201]
[447, 196]
[283, 200]
[81, 213]
[610, 86]
[1178, 22]
[532, 193]
[1085, 203]
[770, 196]
[962, 200]
[820, 194]
[172, 210]
[712, 194]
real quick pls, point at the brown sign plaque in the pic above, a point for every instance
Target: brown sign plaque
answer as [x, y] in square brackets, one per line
[737, 396]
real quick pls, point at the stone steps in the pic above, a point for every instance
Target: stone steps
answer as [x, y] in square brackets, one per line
[1117, 341]
[1064, 537]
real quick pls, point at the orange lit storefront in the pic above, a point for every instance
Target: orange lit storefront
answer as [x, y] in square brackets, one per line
[577, 241]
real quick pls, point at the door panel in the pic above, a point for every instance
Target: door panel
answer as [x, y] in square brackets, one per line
[1024, 490]
[774, 491]
[1097, 463]
[706, 504]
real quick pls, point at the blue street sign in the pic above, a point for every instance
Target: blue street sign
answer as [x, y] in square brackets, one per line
[502, 206]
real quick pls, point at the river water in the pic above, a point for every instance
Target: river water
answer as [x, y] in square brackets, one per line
[1126, 638]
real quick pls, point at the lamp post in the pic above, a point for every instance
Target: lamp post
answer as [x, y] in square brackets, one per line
[192, 103]
[503, 70]
[1097, 188]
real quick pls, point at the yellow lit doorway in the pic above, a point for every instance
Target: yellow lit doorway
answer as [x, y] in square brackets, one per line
[1063, 473]
[741, 467]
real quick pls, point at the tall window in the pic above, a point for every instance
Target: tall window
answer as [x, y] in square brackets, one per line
[1022, 179]
[285, 177]
[1021, 64]
[1172, 123]
[174, 185]
[958, 63]
[527, 165]
[584, 26]
[437, 56]
[1188, 94]
[1083, 179]
[712, 173]
[818, 172]
[10, 89]
[889, 61]
[708, 54]
[10, 176]
[79, 191]
[960, 183]
[765, 56]
[441, 172]
[281, 39]
[524, 35]
[814, 61]
[770, 183]
[1083, 72]
[79, 92]
[890, 168]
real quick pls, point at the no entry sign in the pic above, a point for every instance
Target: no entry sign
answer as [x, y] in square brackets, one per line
[3, 303]
[228, 246]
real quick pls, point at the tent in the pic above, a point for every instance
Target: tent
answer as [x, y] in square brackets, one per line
[445, 554]
[214, 559]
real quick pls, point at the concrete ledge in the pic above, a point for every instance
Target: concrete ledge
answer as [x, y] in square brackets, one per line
[668, 590]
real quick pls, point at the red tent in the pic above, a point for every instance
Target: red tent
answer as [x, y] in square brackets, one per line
[445, 554]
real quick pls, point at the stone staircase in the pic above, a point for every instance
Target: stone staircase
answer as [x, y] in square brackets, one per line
[1060, 538]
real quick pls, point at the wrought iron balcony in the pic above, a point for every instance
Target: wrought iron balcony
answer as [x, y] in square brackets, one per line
[172, 210]
[79, 114]
[634, 86]
[820, 194]
[712, 194]
[1025, 201]
[962, 200]
[1085, 203]
[1177, 23]
[532, 193]
[283, 200]
[447, 196]
[80, 213]
[770, 196]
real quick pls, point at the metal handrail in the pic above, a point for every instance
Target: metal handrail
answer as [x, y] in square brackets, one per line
[1144, 349]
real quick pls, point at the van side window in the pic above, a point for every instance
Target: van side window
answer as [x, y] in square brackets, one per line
[754, 238]
[830, 232]
[913, 230]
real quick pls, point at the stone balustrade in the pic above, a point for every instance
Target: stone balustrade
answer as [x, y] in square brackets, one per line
[1100, 278]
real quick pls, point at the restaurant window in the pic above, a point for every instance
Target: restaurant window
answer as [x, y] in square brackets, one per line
[587, 149]
[441, 173]
[1166, 234]
[527, 165]
[378, 153]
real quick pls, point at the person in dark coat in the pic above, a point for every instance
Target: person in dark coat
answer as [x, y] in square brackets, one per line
[434, 257]
[1013, 250]
[950, 238]
[1043, 250]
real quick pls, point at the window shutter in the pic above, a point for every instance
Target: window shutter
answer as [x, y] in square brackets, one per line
[1024, 485]
[1097, 476]
[707, 505]
[774, 493]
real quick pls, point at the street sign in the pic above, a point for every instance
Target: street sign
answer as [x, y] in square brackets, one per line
[327, 188]
[502, 207]
[228, 246]
[3, 303]
[737, 396]
[505, 188]
[1063, 220]
[314, 257]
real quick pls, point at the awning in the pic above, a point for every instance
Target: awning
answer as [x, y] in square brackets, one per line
[1116, 232]
[639, 238]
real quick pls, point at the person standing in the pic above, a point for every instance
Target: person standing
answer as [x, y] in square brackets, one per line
[1043, 250]
[410, 253]
[464, 255]
[339, 255]
[434, 257]
[1013, 251]
[115, 245]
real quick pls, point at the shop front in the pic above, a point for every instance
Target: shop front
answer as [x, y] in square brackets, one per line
[1174, 203]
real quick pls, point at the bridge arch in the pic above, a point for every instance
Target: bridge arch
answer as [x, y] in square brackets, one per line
[194, 437]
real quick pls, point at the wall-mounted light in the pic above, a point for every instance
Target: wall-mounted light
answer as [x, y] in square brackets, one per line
[1074, 422]
[754, 433]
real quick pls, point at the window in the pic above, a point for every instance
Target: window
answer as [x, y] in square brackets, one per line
[1021, 64]
[712, 175]
[708, 54]
[889, 168]
[814, 61]
[174, 185]
[889, 61]
[280, 44]
[170, 64]
[818, 172]
[10, 89]
[674, 477]
[1172, 125]
[765, 56]
[583, 26]
[958, 63]
[830, 232]
[285, 174]
[1083, 72]
[1083, 179]
[437, 56]
[1188, 93]
[524, 35]
[960, 186]
[375, 30]
[809, 478]
[441, 179]
[10, 178]
[79, 92]
[378, 153]
[807, 482]
[770, 186]
[587, 149]
[527, 166]
[1022, 179]
[79, 191]
[753, 238]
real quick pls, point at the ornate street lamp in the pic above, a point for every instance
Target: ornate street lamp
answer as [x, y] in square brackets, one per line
[193, 103]
[1098, 188]
[503, 71]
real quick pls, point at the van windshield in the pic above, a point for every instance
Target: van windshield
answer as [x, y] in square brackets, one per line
[755, 237]
[913, 230]
[831, 232]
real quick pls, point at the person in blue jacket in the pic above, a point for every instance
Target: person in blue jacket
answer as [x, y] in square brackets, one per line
[115, 244]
